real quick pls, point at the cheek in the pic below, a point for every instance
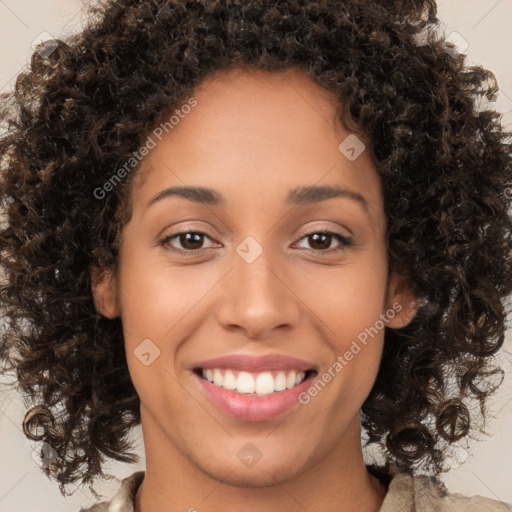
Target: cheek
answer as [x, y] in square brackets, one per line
[155, 297]
[346, 300]
[160, 306]
[356, 310]
[349, 306]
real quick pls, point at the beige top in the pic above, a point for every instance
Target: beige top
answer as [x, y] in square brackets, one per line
[405, 494]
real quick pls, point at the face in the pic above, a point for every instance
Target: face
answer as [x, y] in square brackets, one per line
[258, 283]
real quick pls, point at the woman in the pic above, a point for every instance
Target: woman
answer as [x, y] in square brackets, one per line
[255, 228]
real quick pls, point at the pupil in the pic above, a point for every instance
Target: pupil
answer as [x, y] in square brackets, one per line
[186, 240]
[324, 236]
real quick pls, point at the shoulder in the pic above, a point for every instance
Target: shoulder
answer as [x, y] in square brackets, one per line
[428, 494]
[123, 499]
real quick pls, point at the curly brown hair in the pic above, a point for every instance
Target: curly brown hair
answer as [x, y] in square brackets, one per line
[82, 111]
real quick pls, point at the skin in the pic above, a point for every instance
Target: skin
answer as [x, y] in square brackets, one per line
[253, 136]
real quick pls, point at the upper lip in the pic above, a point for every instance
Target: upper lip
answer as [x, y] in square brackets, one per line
[257, 364]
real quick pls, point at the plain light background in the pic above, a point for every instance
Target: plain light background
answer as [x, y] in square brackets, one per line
[484, 26]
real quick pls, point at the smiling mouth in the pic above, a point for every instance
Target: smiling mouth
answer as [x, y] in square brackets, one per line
[254, 383]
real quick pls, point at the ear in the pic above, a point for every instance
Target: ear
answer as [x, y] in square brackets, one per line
[402, 300]
[104, 292]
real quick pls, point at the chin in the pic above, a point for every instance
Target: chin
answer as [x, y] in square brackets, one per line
[250, 478]
[262, 474]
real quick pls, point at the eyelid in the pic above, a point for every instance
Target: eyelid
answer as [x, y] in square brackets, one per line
[322, 228]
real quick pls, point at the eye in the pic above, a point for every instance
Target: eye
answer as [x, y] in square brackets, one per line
[321, 241]
[189, 241]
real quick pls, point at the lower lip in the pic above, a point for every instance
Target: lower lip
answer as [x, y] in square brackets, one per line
[254, 407]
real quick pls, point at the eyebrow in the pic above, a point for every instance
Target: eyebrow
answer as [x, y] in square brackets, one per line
[196, 194]
[316, 193]
[300, 195]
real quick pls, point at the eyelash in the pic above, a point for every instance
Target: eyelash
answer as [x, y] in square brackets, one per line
[344, 241]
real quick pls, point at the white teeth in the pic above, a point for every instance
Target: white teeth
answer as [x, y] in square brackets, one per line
[263, 383]
[229, 380]
[245, 383]
[217, 377]
[290, 380]
[280, 382]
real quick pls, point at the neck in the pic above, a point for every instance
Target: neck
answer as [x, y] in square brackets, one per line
[340, 482]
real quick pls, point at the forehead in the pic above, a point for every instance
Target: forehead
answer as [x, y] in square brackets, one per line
[288, 86]
[253, 131]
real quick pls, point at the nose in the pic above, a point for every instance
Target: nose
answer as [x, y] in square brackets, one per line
[257, 298]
